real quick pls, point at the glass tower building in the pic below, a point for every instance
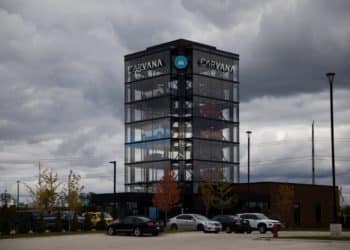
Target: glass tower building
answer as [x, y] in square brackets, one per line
[181, 112]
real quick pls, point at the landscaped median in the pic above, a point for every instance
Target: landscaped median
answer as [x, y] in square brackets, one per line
[47, 234]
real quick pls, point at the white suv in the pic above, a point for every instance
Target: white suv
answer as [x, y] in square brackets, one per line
[260, 222]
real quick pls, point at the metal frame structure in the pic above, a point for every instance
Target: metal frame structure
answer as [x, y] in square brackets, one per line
[184, 117]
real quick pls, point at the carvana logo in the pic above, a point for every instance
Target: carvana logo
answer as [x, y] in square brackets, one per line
[181, 62]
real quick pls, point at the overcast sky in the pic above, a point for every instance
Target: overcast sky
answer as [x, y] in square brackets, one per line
[61, 76]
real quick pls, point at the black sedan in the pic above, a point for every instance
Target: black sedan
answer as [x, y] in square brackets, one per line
[231, 223]
[136, 225]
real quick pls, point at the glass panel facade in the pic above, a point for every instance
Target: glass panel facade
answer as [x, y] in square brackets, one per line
[215, 66]
[215, 109]
[183, 118]
[215, 130]
[147, 66]
[148, 130]
[149, 88]
[147, 151]
[212, 170]
[215, 151]
[224, 90]
[151, 109]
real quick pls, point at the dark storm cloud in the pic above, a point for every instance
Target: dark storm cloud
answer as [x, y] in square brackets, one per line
[295, 42]
[61, 76]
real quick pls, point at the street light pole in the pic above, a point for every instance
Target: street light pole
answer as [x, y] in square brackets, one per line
[114, 189]
[330, 77]
[248, 133]
[17, 193]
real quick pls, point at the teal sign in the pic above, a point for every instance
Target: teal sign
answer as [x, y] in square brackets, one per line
[180, 62]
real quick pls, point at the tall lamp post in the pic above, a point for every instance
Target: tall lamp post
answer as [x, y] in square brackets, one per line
[114, 188]
[248, 133]
[18, 193]
[330, 77]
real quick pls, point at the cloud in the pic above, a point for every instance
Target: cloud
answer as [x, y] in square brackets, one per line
[62, 93]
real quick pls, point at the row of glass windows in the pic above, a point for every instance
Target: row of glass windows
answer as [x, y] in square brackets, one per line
[154, 87]
[147, 151]
[215, 151]
[148, 130]
[202, 128]
[200, 171]
[161, 86]
[151, 109]
[210, 87]
[160, 107]
[215, 130]
[181, 150]
[215, 109]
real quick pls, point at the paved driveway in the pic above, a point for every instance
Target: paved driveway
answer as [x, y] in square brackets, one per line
[188, 240]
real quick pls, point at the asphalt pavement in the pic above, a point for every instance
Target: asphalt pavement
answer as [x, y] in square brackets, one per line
[183, 240]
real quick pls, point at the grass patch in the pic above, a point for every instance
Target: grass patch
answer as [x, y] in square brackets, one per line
[341, 238]
[34, 235]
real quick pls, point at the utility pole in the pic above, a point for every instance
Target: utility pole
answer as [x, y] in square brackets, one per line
[17, 193]
[114, 188]
[248, 133]
[39, 175]
[313, 154]
[330, 77]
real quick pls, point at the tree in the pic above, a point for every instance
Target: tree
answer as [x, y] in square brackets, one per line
[87, 222]
[58, 222]
[75, 223]
[45, 194]
[167, 193]
[223, 191]
[207, 194]
[73, 191]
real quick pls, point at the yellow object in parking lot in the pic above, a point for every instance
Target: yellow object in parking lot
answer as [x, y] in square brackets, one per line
[96, 217]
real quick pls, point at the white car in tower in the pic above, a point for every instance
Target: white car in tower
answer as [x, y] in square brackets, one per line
[260, 222]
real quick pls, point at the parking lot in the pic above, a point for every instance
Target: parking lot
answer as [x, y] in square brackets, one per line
[188, 240]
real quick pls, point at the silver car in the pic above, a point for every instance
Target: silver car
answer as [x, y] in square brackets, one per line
[193, 222]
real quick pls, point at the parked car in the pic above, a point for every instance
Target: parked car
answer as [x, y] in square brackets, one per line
[136, 225]
[194, 222]
[96, 217]
[260, 222]
[231, 223]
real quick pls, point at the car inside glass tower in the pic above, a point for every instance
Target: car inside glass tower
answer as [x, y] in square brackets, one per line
[182, 112]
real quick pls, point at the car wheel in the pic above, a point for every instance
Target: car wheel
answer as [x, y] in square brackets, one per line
[217, 231]
[200, 227]
[249, 232]
[173, 227]
[137, 231]
[228, 230]
[110, 231]
[262, 228]
[155, 233]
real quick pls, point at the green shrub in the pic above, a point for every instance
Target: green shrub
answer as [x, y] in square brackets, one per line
[75, 226]
[40, 224]
[23, 225]
[58, 223]
[87, 222]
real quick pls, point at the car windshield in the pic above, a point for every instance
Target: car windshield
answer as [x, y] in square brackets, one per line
[200, 217]
[261, 216]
